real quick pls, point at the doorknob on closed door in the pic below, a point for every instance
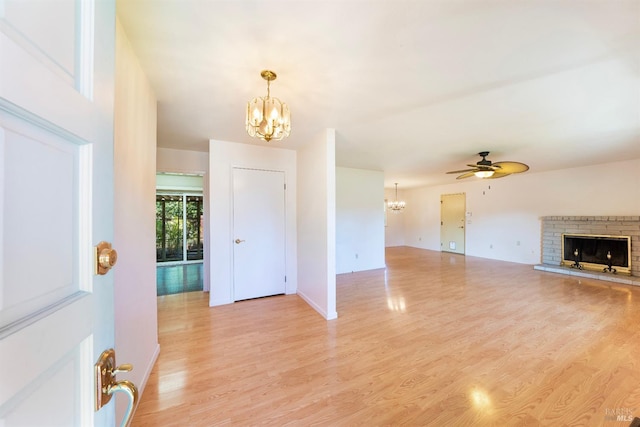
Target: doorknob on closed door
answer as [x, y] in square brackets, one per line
[238, 241]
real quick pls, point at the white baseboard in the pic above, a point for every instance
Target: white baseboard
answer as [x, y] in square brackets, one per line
[148, 370]
[141, 386]
[217, 302]
[316, 307]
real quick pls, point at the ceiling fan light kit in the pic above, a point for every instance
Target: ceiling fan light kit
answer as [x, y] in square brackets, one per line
[484, 174]
[486, 169]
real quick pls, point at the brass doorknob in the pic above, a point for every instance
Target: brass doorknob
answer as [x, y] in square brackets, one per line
[106, 257]
[238, 241]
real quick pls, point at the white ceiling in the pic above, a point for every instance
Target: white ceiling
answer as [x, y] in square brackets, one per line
[413, 88]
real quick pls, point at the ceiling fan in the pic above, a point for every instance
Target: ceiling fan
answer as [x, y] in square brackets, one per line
[486, 169]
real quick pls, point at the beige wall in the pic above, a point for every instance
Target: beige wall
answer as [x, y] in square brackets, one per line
[136, 325]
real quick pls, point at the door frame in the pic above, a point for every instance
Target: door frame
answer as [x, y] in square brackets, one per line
[454, 227]
[206, 262]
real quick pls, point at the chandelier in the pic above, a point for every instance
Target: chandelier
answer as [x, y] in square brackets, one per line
[396, 206]
[268, 118]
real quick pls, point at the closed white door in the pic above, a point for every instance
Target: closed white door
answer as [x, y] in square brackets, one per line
[259, 233]
[452, 222]
[56, 203]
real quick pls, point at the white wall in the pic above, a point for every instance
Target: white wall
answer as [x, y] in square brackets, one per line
[394, 227]
[182, 161]
[505, 213]
[317, 224]
[136, 324]
[359, 220]
[223, 157]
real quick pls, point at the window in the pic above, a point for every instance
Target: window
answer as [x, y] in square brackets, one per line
[194, 228]
[179, 220]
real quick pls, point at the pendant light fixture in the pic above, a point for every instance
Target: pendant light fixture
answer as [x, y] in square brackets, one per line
[268, 118]
[396, 205]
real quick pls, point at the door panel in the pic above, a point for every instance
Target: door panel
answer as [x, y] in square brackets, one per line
[50, 367]
[452, 222]
[56, 203]
[43, 171]
[44, 29]
[259, 229]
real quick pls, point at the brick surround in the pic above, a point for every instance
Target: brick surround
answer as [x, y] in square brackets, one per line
[554, 226]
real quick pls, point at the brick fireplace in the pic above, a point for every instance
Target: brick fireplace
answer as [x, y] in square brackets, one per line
[553, 228]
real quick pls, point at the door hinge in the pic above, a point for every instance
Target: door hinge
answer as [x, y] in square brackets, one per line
[285, 187]
[285, 279]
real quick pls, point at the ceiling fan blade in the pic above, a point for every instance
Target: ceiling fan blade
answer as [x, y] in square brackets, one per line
[466, 175]
[511, 167]
[464, 170]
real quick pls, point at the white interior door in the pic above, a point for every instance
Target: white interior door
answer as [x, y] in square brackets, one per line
[259, 233]
[452, 222]
[56, 203]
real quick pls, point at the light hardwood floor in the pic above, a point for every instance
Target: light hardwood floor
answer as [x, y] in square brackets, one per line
[435, 339]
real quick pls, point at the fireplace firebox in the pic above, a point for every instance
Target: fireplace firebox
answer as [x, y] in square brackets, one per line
[597, 252]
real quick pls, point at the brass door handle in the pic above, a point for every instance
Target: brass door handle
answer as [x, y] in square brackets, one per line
[106, 384]
[106, 257]
[238, 241]
[130, 390]
[125, 367]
